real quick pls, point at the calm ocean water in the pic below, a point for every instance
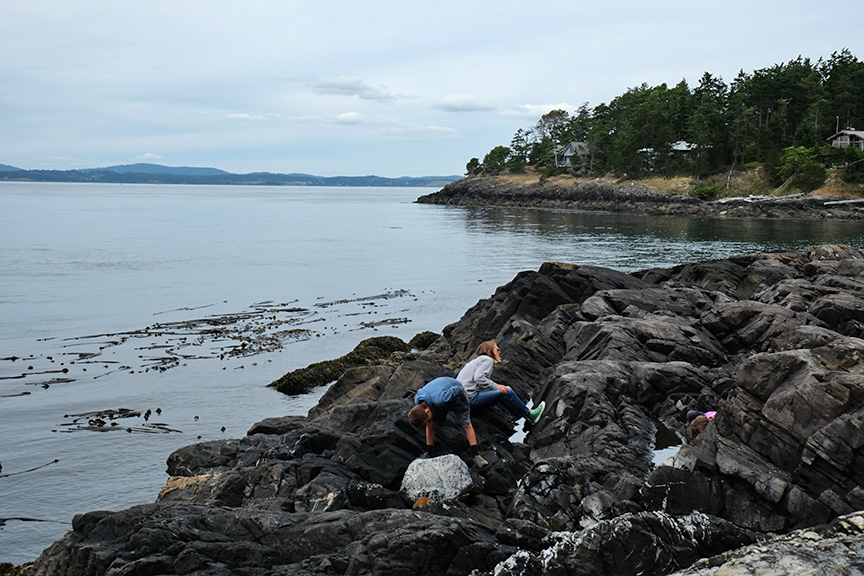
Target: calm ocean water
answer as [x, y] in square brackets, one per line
[153, 297]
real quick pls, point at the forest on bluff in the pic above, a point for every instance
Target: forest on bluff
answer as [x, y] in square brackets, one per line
[781, 118]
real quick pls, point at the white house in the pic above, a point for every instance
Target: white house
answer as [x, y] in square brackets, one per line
[848, 137]
[564, 153]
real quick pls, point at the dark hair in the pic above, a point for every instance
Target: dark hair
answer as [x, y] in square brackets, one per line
[417, 415]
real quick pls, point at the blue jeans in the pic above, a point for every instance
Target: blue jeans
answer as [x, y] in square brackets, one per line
[510, 401]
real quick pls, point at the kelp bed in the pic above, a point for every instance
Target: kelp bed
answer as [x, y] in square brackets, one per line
[260, 328]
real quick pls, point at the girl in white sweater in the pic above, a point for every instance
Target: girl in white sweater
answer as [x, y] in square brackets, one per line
[483, 391]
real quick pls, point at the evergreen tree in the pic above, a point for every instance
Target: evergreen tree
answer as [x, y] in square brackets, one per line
[496, 160]
[758, 118]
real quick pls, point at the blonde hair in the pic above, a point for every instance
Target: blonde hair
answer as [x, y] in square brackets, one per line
[487, 349]
[417, 415]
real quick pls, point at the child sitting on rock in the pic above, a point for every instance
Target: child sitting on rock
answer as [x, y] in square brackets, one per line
[483, 391]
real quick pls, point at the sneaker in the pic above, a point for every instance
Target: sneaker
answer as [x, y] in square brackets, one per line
[479, 461]
[534, 415]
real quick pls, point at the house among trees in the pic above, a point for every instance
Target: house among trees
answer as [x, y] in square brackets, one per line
[680, 147]
[653, 160]
[564, 154]
[777, 117]
[848, 137]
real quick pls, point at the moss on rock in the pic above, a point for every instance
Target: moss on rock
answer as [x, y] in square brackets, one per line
[423, 340]
[368, 352]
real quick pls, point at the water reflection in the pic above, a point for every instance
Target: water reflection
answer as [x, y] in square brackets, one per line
[633, 241]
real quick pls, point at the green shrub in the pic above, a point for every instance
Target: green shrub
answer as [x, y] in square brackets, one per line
[803, 166]
[707, 191]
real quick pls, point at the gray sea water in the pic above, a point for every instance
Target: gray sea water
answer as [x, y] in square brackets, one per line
[188, 300]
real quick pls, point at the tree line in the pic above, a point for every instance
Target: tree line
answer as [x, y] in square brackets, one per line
[779, 117]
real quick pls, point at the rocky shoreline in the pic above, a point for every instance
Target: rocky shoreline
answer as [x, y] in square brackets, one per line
[775, 483]
[632, 197]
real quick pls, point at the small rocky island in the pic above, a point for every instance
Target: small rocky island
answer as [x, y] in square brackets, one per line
[638, 198]
[774, 484]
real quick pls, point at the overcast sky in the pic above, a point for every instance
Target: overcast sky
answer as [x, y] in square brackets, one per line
[392, 88]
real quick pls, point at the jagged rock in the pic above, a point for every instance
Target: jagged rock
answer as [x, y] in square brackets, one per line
[834, 549]
[771, 342]
[644, 543]
[144, 540]
[7, 569]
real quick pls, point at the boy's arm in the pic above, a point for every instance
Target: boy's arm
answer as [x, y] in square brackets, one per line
[430, 432]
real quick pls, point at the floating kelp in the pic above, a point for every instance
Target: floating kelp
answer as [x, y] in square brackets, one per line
[106, 421]
[386, 322]
[26, 374]
[48, 383]
[29, 470]
[261, 328]
[368, 299]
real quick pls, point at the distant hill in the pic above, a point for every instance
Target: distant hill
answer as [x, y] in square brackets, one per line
[158, 169]
[155, 173]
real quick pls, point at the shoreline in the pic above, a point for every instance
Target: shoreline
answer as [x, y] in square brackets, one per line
[769, 342]
[635, 198]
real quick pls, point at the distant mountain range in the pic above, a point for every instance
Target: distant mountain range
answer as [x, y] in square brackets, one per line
[157, 174]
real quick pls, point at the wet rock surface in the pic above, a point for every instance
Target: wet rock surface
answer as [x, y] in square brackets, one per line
[772, 342]
[635, 198]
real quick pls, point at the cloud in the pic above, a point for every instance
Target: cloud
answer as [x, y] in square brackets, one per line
[343, 86]
[255, 117]
[349, 118]
[421, 132]
[463, 103]
[149, 157]
[535, 111]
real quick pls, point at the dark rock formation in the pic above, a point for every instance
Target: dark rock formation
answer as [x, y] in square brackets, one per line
[772, 342]
[635, 198]
[837, 548]
[368, 352]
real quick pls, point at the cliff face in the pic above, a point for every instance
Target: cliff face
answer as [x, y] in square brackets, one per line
[772, 342]
[632, 197]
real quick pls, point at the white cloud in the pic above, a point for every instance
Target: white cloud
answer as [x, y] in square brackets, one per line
[255, 117]
[463, 103]
[352, 87]
[349, 118]
[149, 157]
[535, 111]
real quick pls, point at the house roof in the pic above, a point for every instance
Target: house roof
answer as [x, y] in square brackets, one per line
[679, 146]
[856, 133]
[574, 146]
[683, 146]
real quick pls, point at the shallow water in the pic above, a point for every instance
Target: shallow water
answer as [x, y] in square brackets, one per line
[91, 269]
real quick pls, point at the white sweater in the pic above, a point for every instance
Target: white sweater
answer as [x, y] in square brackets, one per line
[474, 376]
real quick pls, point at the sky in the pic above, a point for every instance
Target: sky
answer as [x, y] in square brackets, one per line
[377, 87]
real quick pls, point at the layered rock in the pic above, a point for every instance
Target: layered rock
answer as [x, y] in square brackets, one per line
[770, 341]
[632, 197]
[837, 548]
